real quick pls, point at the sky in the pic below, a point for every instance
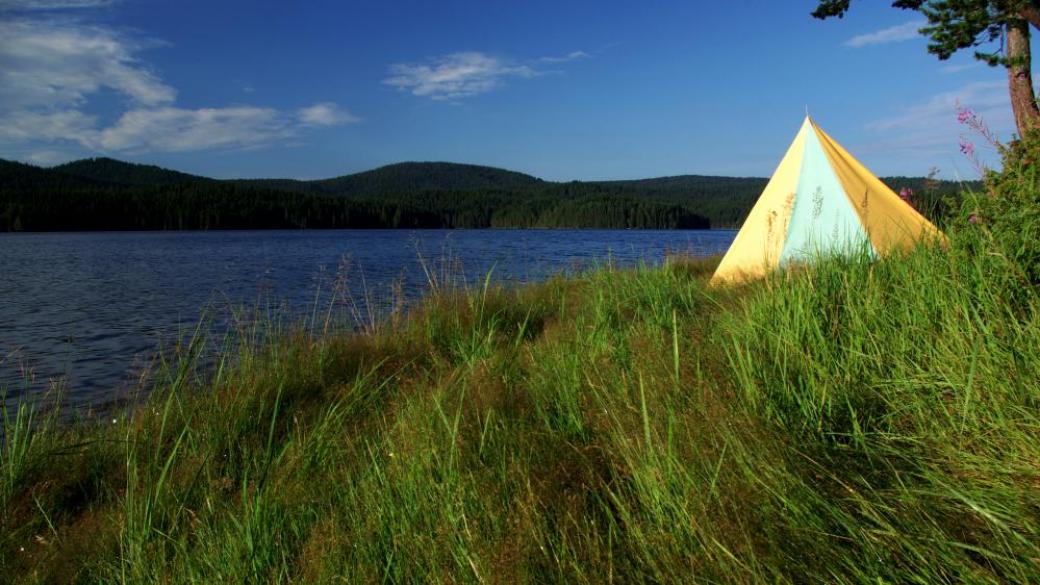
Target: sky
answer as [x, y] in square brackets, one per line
[560, 90]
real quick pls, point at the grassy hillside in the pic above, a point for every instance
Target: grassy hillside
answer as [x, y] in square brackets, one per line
[855, 422]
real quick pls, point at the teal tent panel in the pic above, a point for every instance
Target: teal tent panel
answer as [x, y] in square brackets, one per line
[822, 220]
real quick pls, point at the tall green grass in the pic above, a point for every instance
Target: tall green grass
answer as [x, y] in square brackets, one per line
[853, 421]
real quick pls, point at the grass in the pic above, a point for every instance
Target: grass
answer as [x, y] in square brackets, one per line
[852, 422]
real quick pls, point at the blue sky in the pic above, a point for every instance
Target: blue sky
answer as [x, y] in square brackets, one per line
[561, 90]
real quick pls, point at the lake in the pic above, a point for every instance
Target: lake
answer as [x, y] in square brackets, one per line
[92, 308]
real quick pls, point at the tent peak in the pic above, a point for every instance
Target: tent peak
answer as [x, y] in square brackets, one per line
[809, 124]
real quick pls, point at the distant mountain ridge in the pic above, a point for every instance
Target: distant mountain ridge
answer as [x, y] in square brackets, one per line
[105, 193]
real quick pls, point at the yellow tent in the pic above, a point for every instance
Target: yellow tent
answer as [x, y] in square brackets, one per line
[819, 200]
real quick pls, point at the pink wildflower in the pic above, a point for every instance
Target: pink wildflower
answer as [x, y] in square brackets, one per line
[965, 114]
[907, 195]
[967, 147]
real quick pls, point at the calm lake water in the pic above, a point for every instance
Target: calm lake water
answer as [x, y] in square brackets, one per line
[93, 308]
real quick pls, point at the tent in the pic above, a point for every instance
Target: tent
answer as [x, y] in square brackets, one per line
[820, 200]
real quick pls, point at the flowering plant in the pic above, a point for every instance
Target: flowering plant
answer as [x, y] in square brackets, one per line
[977, 126]
[1008, 215]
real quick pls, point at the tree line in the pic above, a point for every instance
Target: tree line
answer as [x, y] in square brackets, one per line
[103, 194]
[33, 199]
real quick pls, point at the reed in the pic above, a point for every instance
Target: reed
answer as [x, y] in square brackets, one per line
[852, 421]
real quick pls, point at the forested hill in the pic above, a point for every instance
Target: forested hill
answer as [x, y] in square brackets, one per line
[110, 170]
[104, 193]
[408, 178]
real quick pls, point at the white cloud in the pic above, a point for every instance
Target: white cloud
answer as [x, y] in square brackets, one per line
[54, 66]
[27, 126]
[28, 5]
[892, 34]
[174, 129]
[47, 157]
[572, 56]
[326, 114]
[169, 129]
[455, 76]
[50, 64]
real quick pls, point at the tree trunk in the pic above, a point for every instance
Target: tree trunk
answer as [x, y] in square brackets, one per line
[1020, 78]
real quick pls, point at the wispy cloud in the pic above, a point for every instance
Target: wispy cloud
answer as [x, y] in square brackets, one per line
[53, 66]
[572, 56]
[326, 114]
[20, 126]
[455, 76]
[48, 64]
[941, 109]
[929, 132]
[172, 129]
[958, 67]
[47, 157]
[892, 34]
[30, 5]
[166, 129]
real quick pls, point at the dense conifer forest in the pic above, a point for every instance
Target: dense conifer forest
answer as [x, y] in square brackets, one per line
[106, 194]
